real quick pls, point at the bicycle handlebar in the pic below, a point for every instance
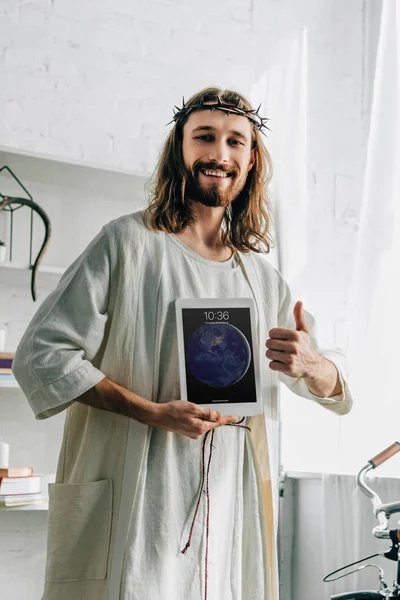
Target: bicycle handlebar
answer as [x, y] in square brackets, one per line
[382, 511]
[383, 456]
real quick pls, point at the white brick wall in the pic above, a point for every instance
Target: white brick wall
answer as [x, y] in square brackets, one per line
[96, 81]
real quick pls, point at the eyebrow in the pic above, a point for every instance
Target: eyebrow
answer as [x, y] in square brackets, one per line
[211, 128]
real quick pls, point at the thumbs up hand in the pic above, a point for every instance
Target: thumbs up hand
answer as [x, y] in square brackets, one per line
[291, 351]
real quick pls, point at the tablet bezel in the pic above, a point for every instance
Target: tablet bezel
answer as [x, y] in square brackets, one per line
[240, 409]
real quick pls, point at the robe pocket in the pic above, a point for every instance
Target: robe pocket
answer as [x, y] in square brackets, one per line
[79, 528]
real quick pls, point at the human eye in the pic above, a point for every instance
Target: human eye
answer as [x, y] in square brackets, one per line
[204, 137]
[236, 142]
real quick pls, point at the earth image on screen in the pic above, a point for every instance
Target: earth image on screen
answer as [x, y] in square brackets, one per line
[218, 354]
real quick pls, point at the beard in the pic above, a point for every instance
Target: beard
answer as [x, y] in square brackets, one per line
[214, 194]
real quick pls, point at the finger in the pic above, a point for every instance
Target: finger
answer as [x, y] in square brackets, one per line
[208, 414]
[208, 425]
[282, 357]
[229, 420]
[278, 366]
[224, 421]
[299, 317]
[278, 333]
[191, 407]
[281, 345]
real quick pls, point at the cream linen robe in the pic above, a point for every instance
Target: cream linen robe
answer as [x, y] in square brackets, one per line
[101, 321]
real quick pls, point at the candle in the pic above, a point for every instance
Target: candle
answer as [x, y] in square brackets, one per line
[4, 455]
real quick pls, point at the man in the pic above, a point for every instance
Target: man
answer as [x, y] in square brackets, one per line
[126, 506]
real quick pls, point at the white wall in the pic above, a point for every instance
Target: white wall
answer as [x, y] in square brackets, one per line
[95, 82]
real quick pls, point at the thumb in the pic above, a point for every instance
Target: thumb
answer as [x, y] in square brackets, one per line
[299, 317]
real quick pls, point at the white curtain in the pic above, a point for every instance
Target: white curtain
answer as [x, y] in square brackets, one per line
[374, 348]
[374, 293]
[284, 87]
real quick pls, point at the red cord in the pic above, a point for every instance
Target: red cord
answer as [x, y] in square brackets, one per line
[208, 517]
[207, 492]
[199, 498]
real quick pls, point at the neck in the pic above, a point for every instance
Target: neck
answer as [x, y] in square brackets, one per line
[206, 230]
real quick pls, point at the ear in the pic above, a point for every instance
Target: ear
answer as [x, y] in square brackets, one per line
[252, 159]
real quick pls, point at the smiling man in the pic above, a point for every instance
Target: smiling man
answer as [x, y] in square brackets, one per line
[126, 519]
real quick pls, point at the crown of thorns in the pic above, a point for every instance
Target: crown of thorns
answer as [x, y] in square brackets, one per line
[218, 104]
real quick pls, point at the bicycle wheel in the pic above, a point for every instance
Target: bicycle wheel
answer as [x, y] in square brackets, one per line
[363, 595]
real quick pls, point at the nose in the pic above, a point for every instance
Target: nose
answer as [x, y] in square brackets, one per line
[219, 152]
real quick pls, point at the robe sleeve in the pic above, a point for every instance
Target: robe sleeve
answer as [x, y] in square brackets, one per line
[53, 361]
[341, 404]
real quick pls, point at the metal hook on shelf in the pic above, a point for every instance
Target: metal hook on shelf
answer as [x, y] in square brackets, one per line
[6, 203]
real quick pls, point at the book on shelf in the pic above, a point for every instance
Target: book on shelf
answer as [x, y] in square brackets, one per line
[6, 363]
[10, 486]
[7, 377]
[16, 472]
[6, 360]
[23, 499]
[40, 497]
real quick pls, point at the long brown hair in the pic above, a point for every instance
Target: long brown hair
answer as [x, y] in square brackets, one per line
[247, 218]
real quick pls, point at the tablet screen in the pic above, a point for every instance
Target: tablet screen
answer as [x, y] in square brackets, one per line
[219, 361]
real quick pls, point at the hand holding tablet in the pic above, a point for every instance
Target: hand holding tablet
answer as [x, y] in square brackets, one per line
[218, 363]
[186, 418]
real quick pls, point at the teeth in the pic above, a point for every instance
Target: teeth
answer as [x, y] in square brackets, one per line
[216, 173]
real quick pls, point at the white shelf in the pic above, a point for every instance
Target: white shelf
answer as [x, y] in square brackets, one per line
[41, 269]
[19, 274]
[38, 506]
[6, 385]
[34, 166]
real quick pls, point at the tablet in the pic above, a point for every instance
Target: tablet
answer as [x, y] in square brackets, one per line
[219, 364]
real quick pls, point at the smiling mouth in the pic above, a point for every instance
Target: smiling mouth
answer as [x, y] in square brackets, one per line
[215, 174]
